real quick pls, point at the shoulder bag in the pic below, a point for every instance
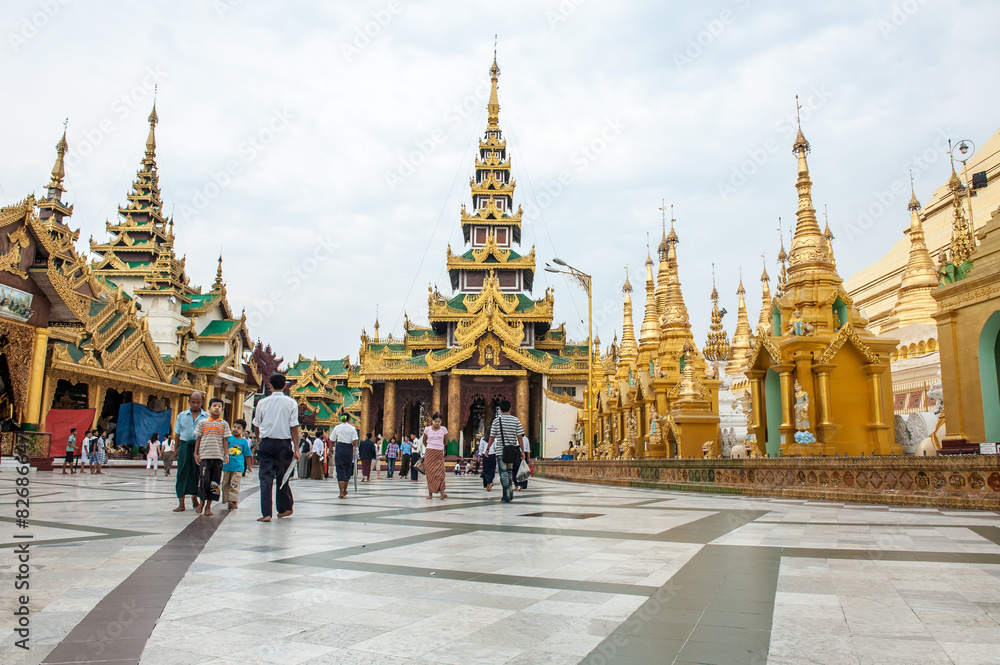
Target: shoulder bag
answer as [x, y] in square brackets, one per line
[511, 454]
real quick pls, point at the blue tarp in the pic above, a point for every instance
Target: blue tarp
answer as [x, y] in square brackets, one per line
[136, 423]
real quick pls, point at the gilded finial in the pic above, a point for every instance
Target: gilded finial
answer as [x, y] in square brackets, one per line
[800, 140]
[827, 233]
[764, 277]
[914, 204]
[627, 287]
[59, 168]
[740, 290]
[218, 276]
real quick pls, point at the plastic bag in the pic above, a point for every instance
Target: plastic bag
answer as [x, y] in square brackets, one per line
[523, 473]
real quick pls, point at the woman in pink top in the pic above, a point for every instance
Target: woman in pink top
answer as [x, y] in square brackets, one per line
[434, 456]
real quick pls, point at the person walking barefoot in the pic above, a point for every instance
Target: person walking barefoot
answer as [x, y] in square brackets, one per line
[153, 454]
[186, 482]
[434, 437]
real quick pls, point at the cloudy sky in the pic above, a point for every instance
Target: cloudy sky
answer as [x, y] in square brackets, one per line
[325, 148]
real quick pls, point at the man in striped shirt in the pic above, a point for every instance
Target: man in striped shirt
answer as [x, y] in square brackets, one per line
[510, 445]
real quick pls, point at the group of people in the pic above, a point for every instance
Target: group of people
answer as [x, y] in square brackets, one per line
[212, 456]
[93, 452]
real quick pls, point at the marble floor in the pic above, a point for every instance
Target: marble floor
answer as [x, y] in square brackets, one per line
[568, 573]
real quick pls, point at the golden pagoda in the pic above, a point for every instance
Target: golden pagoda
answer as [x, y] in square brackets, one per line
[657, 398]
[198, 334]
[78, 343]
[325, 388]
[915, 304]
[487, 342]
[766, 305]
[820, 381]
[741, 335]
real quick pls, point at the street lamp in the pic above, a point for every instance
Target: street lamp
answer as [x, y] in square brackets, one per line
[966, 149]
[584, 280]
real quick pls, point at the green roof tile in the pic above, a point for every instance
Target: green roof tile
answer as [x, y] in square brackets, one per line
[208, 361]
[221, 327]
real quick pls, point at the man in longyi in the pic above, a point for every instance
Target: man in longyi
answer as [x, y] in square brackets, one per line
[186, 482]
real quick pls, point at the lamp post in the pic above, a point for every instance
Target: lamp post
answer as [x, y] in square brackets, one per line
[965, 149]
[585, 281]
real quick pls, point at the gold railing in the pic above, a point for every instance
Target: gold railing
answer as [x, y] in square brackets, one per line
[33, 444]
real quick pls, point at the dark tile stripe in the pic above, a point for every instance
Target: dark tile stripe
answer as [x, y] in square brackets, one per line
[117, 629]
[708, 528]
[320, 561]
[717, 608]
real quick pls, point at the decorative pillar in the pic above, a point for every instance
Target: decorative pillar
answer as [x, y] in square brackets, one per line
[522, 401]
[824, 416]
[756, 395]
[48, 394]
[390, 425]
[454, 405]
[37, 377]
[96, 393]
[436, 396]
[238, 397]
[366, 410]
[881, 444]
[787, 428]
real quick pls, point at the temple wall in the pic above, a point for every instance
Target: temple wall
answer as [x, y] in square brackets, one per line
[960, 481]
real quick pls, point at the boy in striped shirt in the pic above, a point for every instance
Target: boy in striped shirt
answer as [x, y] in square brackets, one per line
[210, 454]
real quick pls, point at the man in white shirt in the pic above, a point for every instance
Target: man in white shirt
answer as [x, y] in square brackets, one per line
[316, 456]
[276, 424]
[345, 439]
[487, 452]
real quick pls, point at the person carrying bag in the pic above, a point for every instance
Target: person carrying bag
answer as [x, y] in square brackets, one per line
[511, 434]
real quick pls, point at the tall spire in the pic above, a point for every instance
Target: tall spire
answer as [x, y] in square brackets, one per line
[764, 321]
[59, 169]
[649, 334]
[741, 336]
[663, 271]
[676, 314]
[151, 139]
[809, 246]
[915, 304]
[629, 350]
[493, 108]
[782, 259]
[219, 285]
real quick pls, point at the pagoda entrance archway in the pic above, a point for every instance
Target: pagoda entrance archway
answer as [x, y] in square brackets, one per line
[989, 376]
[477, 418]
[772, 412]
